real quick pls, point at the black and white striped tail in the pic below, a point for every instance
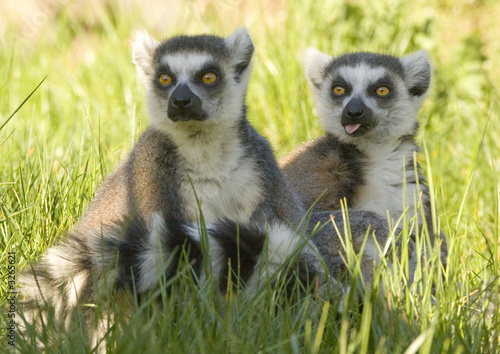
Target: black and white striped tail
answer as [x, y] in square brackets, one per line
[133, 255]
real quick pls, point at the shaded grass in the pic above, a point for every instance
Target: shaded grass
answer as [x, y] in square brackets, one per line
[88, 112]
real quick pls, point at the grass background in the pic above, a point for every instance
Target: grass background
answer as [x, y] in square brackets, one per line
[90, 109]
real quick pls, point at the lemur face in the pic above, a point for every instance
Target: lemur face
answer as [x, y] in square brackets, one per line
[368, 96]
[193, 79]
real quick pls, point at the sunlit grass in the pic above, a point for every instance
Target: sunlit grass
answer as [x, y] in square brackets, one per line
[85, 116]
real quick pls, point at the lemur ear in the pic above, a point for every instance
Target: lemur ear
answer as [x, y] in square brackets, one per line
[315, 63]
[142, 53]
[241, 49]
[417, 69]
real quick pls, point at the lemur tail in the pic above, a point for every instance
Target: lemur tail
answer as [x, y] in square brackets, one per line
[75, 270]
[134, 255]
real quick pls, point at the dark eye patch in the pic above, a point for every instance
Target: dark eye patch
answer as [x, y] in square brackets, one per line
[163, 69]
[339, 81]
[209, 68]
[386, 81]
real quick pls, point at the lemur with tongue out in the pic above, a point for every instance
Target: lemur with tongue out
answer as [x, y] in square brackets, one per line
[367, 105]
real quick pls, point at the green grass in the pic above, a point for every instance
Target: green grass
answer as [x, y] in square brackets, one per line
[85, 116]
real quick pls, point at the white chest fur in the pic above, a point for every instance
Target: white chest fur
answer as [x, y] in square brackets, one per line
[224, 182]
[384, 189]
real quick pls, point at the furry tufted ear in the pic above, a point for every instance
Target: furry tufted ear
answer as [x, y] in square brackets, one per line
[142, 53]
[417, 69]
[315, 63]
[240, 48]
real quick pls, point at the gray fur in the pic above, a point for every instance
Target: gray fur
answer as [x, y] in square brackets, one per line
[368, 168]
[388, 62]
[331, 241]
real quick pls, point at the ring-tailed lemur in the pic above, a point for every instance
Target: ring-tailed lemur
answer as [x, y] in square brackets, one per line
[367, 105]
[200, 154]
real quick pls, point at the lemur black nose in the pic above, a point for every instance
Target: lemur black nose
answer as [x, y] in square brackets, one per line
[184, 105]
[356, 111]
[182, 97]
[351, 113]
[357, 117]
[184, 102]
[355, 108]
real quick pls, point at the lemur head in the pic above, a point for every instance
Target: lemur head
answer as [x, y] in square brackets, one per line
[194, 80]
[368, 95]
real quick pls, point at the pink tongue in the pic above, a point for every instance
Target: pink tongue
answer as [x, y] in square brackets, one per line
[351, 128]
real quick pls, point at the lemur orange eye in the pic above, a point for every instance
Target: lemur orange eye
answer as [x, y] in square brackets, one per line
[383, 91]
[208, 78]
[338, 90]
[165, 79]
